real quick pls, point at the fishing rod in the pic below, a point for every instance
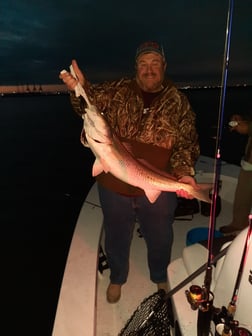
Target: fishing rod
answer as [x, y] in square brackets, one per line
[232, 304]
[203, 297]
[226, 315]
[152, 315]
[218, 140]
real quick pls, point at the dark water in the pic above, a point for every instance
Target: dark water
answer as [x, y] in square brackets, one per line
[45, 177]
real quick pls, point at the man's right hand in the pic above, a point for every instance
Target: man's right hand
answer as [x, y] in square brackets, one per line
[242, 125]
[69, 80]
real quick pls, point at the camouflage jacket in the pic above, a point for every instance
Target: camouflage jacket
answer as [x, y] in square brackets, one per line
[165, 135]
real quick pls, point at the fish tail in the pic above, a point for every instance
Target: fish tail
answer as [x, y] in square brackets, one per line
[203, 195]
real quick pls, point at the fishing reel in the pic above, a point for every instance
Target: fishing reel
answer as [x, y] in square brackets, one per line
[224, 330]
[224, 321]
[199, 298]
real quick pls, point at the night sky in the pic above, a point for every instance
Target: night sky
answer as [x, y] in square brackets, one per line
[39, 38]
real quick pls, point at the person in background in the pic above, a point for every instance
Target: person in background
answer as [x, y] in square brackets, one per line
[156, 122]
[243, 194]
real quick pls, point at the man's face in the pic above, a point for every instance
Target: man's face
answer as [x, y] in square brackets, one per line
[150, 70]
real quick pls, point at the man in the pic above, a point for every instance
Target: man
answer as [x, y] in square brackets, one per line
[156, 123]
[243, 194]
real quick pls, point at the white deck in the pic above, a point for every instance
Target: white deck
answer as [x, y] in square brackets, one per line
[83, 311]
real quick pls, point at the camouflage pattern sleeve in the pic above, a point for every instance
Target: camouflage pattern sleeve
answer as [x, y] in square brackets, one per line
[186, 148]
[99, 94]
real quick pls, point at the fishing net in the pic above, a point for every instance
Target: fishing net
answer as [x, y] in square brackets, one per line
[151, 318]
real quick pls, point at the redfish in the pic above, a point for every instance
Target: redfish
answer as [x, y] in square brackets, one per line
[114, 157]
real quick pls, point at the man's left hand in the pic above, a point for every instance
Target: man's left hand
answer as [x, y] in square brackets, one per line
[188, 180]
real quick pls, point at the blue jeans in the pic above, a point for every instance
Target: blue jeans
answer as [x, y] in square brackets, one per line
[155, 224]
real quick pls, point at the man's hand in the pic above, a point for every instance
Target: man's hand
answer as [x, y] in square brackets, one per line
[189, 180]
[69, 80]
[242, 125]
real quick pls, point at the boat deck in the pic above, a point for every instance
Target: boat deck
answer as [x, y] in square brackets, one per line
[112, 318]
[82, 307]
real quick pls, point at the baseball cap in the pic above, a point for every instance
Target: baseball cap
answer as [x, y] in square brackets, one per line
[149, 46]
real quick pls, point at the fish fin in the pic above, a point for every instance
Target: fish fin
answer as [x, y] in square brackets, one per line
[97, 168]
[105, 165]
[152, 195]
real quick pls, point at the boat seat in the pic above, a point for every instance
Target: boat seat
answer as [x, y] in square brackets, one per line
[223, 281]
[196, 255]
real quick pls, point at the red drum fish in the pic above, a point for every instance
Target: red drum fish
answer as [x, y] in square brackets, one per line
[114, 157]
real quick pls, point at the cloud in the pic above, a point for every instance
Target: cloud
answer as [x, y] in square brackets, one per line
[39, 38]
